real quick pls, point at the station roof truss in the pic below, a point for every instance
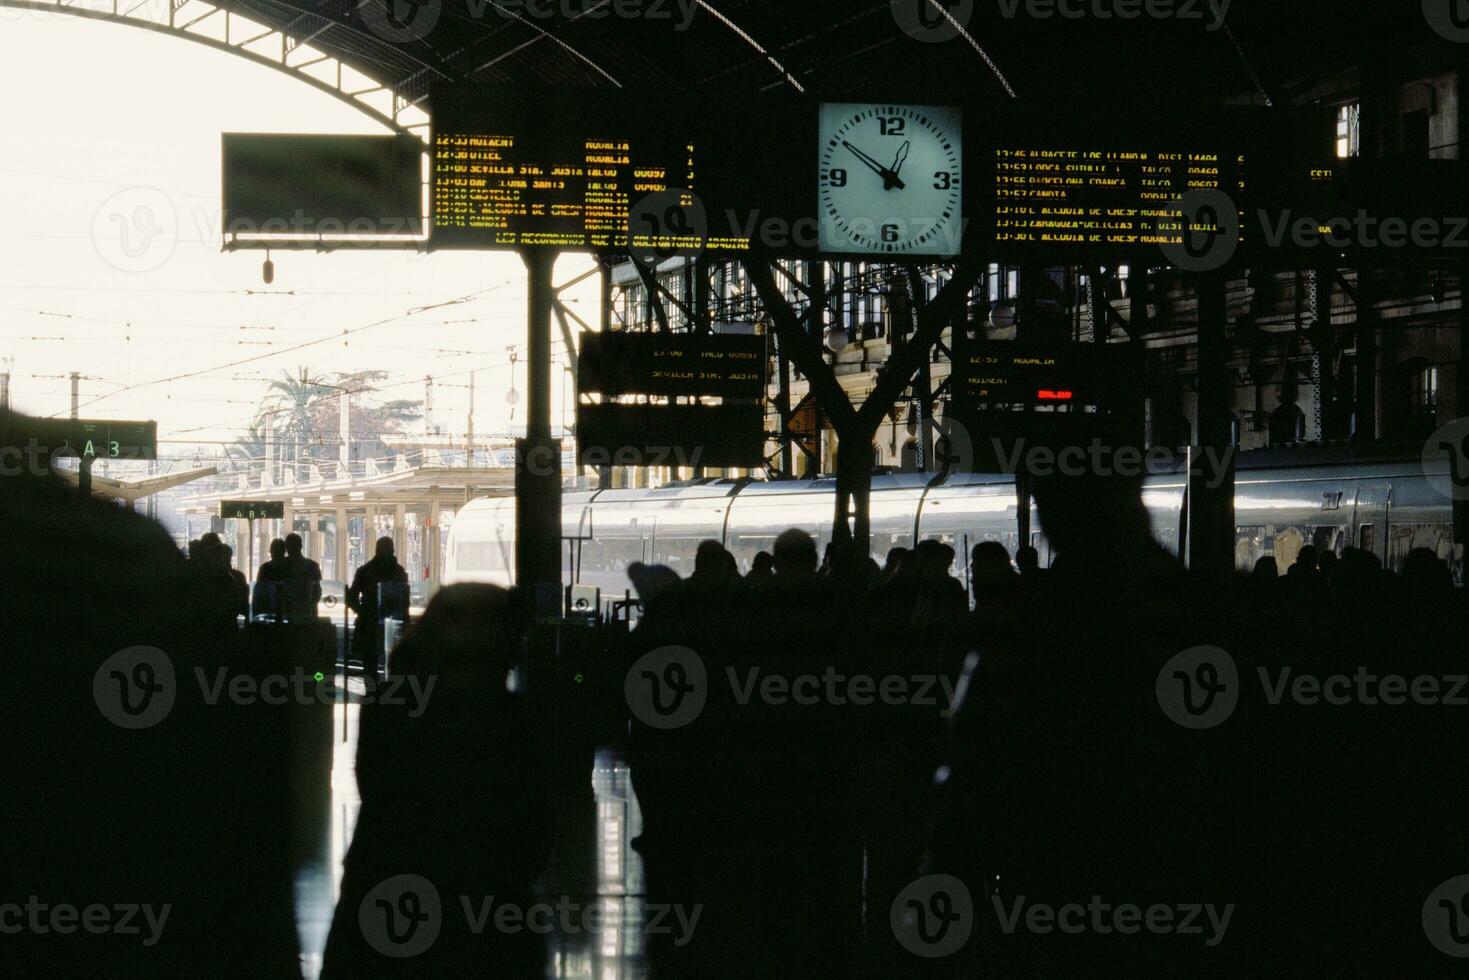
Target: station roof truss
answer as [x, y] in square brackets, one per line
[847, 49]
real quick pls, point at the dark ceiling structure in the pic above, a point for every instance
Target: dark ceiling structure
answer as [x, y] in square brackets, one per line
[1265, 51]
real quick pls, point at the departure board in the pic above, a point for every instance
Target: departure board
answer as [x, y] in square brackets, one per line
[1010, 373]
[1112, 200]
[614, 171]
[614, 363]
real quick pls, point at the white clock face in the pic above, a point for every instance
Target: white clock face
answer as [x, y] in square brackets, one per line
[891, 179]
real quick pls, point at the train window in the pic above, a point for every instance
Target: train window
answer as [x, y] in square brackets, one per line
[1367, 538]
[1288, 544]
[1249, 547]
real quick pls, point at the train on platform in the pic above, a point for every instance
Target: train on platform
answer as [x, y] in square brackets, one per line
[1284, 500]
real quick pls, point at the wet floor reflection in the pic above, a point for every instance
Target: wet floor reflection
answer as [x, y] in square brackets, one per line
[594, 863]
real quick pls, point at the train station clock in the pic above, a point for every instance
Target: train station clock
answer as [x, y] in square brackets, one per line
[890, 179]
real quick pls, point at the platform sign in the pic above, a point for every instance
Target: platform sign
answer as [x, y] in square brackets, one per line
[93, 439]
[613, 363]
[252, 510]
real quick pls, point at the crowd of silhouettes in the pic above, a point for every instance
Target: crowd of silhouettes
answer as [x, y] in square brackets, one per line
[1008, 733]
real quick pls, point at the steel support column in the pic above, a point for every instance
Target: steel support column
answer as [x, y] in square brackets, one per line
[1211, 491]
[538, 456]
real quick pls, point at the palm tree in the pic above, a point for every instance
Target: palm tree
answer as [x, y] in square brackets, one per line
[291, 410]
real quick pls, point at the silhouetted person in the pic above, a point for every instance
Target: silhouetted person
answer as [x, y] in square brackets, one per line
[240, 586]
[1028, 561]
[795, 555]
[990, 572]
[268, 579]
[711, 577]
[453, 785]
[891, 563]
[364, 598]
[1266, 571]
[762, 569]
[301, 581]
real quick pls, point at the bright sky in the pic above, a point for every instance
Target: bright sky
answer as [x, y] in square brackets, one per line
[110, 125]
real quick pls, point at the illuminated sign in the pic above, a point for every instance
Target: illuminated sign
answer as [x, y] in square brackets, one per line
[613, 171]
[1060, 197]
[614, 363]
[1005, 373]
[252, 510]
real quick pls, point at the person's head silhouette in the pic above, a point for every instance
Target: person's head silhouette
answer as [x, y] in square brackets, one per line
[277, 550]
[384, 548]
[294, 544]
[1028, 560]
[795, 554]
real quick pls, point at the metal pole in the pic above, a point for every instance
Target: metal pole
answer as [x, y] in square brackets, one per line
[76, 397]
[538, 455]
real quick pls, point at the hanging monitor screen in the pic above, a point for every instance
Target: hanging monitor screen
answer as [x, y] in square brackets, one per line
[285, 188]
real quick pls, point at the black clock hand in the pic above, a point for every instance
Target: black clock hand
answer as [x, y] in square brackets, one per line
[889, 179]
[901, 158]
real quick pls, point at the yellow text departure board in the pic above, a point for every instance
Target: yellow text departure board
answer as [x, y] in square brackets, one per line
[1051, 198]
